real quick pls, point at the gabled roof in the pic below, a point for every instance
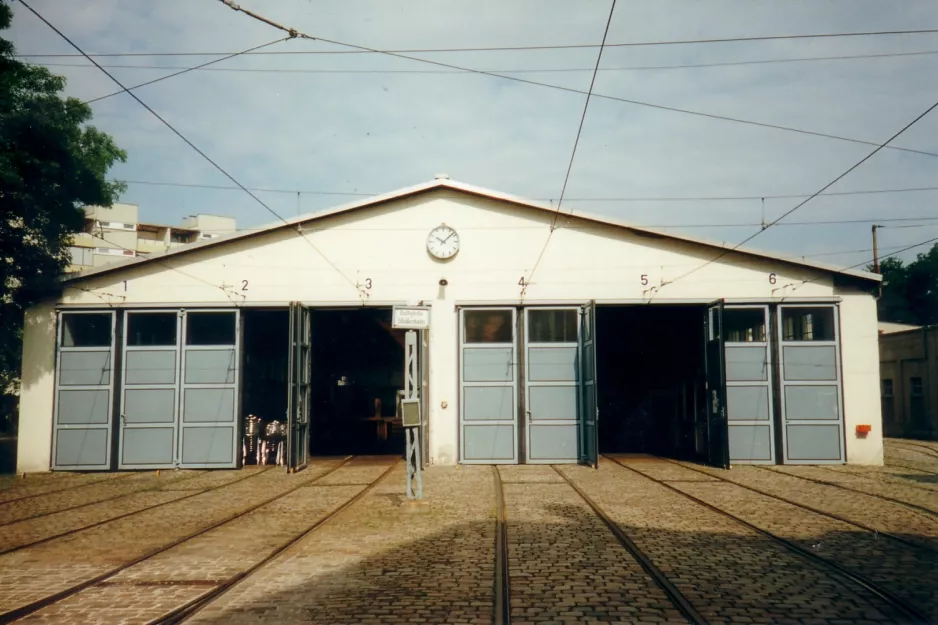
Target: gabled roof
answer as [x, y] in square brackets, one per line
[445, 183]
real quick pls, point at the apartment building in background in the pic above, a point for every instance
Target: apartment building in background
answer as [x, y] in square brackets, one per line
[115, 233]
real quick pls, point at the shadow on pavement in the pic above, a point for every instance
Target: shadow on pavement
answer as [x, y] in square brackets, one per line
[570, 567]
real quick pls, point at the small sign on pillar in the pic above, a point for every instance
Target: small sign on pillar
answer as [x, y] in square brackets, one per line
[410, 317]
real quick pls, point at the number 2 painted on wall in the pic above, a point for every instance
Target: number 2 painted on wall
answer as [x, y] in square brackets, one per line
[244, 285]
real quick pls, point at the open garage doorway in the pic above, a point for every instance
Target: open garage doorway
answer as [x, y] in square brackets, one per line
[265, 384]
[651, 364]
[357, 374]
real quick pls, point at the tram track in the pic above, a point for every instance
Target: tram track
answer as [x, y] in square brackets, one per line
[906, 609]
[896, 479]
[145, 489]
[126, 515]
[677, 598]
[59, 490]
[911, 468]
[912, 506]
[501, 609]
[931, 452]
[831, 515]
[102, 578]
[189, 609]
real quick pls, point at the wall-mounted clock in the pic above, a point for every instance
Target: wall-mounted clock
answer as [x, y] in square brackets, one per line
[442, 242]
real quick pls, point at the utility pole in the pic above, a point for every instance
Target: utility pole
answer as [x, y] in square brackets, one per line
[876, 258]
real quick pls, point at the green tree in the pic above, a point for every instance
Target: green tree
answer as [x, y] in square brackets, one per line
[52, 163]
[910, 292]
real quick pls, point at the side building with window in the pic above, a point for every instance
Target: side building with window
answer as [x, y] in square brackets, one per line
[114, 234]
[279, 344]
[909, 380]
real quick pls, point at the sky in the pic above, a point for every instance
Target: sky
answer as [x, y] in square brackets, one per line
[335, 126]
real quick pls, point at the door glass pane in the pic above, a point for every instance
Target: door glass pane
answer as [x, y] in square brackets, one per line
[744, 325]
[86, 330]
[488, 326]
[808, 324]
[151, 328]
[210, 328]
[552, 326]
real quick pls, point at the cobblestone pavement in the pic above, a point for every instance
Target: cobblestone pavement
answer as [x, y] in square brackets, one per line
[909, 454]
[884, 516]
[381, 560]
[94, 492]
[729, 572]
[565, 566]
[905, 571]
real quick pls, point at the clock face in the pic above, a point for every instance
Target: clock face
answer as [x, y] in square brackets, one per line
[443, 242]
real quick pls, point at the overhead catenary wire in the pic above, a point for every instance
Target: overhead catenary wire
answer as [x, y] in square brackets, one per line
[865, 263]
[184, 70]
[162, 263]
[576, 143]
[635, 44]
[712, 198]
[709, 198]
[503, 228]
[806, 200]
[192, 145]
[896, 253]
[525, 81]
[634, 68]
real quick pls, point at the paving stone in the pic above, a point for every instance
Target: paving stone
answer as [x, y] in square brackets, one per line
[562, 558]
[902, 492]
[91, 493]
[167, 581]
[41, 483]
[872, 512]
[723, 568]
[379, 563]
[74, 558]
[907, 572]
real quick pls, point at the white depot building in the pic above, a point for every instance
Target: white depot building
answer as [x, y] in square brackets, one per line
[622, 340]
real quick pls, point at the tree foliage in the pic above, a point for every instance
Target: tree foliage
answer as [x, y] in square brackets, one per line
[52, 163]
[910, 292]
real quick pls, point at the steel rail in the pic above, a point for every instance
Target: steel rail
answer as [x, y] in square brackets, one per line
[676, 596]
[188, 609]
[906, 609]
[502, 604]
[35, 606]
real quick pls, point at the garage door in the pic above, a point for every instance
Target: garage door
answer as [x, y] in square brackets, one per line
[488, 413]
[812, 414]
[150, 389]
[551, 376]
[84, 391]
[749, 384]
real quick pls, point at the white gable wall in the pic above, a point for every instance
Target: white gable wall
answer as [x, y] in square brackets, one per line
[500, 244]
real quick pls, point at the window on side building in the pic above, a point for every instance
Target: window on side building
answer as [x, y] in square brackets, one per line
[887, 387]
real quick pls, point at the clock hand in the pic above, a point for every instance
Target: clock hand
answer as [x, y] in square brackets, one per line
[448, 238]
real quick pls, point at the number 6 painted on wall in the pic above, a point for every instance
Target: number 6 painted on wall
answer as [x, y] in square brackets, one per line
[772, 278]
